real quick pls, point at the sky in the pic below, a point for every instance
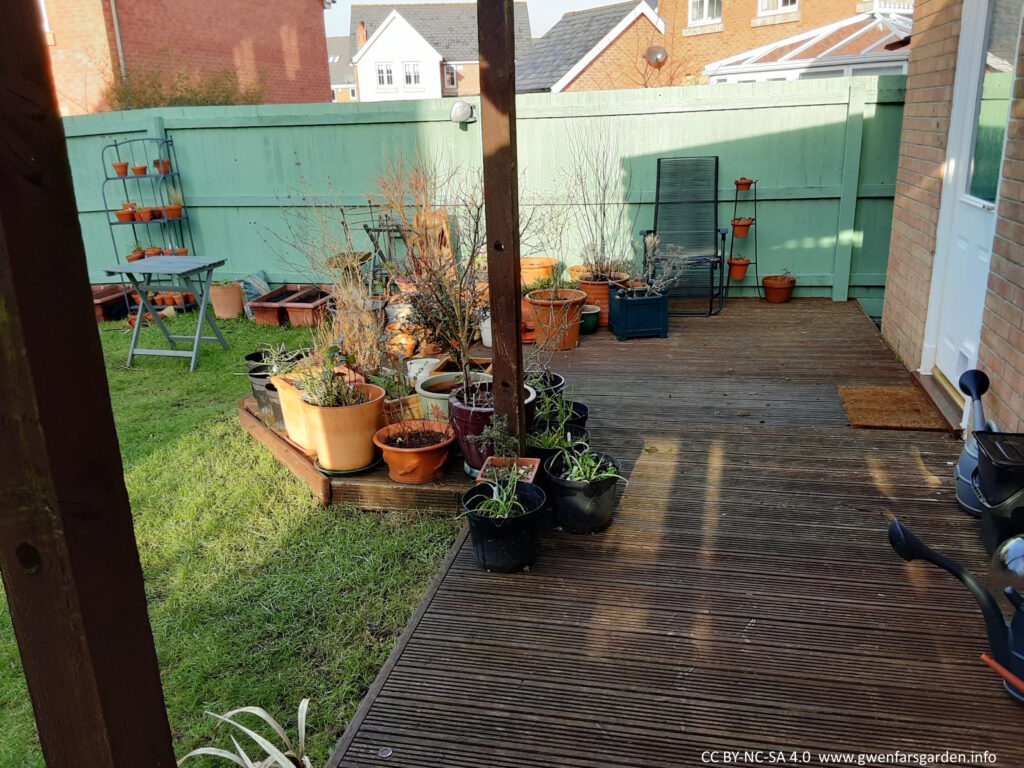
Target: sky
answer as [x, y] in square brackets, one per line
[543, 13]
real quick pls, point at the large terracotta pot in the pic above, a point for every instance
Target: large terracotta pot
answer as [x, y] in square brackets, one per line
[778, 288]
[292, 412]
[343, 435]
[227, 300]
[415, 465]
[596, 290]
[534, 268]
[557, 314]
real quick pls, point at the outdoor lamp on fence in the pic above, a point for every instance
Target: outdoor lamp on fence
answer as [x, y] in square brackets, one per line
[656, 56]
[463, 112]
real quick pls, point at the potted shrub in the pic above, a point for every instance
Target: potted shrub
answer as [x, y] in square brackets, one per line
[120, 168]
[557, 313]
[341, 417]
[741, 226]
[227, 299]
[503, 518]
[582, 483]
[638, 312]
[175, 204]
[738, 267]
[778, 288]
[415, 450]
[435, 390]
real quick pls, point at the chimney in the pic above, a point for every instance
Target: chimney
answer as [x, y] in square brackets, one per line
[360, 35]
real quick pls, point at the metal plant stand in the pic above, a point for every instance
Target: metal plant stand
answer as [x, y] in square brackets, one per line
[753, 231]
[187, 273]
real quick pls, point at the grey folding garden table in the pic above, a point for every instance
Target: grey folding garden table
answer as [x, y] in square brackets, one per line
[192, 274]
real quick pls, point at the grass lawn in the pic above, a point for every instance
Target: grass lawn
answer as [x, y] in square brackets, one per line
[257, 596]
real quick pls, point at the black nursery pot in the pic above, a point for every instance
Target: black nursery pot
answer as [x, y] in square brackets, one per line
[580, 412]
[550, 384]
[581, 507]
[254, 360]
[505, 544]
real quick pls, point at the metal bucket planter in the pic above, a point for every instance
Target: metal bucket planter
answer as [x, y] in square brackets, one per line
[506, 544]
[581, 507]
[635, 314]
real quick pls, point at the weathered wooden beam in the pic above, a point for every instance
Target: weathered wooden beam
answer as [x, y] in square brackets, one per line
[67, 547]
[496, 30]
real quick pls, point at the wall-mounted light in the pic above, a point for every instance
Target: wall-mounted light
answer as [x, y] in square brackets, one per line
[462, 113]
[656, 56]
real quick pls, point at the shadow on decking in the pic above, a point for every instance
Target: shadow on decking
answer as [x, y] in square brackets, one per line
[745, 597]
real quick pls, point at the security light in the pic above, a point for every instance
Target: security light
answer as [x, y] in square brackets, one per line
[463, 112]
[656, 56]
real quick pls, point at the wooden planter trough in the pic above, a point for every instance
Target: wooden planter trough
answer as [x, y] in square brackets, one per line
[108, 302]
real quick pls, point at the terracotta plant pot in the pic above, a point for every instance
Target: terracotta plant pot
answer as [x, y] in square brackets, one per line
[129, 206]
[120, 169]
[558, 313]
[534, 268]
[135, 256]
[172, 211]
[292, 412]
[181, 251]
[139, 170]
[162, 165]
[741, 226]
[416, 465]
[526, 309]
[401, 346]
[156, 212]
[743, 183]
[532, 467]
[778, 288]
[144, 214]
[152, 251]
[407, 408]
[125, 214]
[226, 300]
[343, 435]
[738, 267]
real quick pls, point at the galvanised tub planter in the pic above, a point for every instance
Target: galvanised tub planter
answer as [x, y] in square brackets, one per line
[633, 314]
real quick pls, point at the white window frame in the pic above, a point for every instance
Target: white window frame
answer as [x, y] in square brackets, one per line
[705, 19]
[451, 69]
[776, 11]
[411, 69]
[385, 72]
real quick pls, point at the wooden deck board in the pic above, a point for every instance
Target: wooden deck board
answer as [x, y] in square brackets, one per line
[745, 597]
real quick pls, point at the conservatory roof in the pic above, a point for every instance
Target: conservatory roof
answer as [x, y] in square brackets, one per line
[874, 37]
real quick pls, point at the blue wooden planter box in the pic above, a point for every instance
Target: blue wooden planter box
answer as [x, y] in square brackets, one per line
[631, 316]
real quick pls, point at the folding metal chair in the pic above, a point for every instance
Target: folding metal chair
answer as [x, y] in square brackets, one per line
[686, 220]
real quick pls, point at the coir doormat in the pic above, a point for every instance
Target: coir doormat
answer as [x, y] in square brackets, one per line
[901, 407]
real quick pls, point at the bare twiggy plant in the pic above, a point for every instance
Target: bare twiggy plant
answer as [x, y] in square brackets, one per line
[660, 270]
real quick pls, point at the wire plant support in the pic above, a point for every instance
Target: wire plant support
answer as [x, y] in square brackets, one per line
[745, 185]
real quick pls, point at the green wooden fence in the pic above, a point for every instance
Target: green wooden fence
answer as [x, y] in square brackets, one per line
[824, 151]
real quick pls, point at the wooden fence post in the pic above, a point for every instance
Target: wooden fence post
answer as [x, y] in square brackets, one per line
[496, 31]
[67, 547]
[848, 200]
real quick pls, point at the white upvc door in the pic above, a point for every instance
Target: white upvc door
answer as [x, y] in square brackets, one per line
[967, 216]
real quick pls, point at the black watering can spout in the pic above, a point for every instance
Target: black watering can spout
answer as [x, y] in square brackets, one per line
[974, 384]
[909, 547]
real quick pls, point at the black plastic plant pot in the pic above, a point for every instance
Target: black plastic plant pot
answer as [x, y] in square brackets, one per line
[507, 544]
[578, 434]
[254, 360]
[550, 384]
[580, 412]
[581, 507]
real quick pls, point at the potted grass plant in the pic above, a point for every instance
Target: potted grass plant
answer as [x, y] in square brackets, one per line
[270, 360]
[504, 516]
[557, 409]
[582, 483]
[342, 417]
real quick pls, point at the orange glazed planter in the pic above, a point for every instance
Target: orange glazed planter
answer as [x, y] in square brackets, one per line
[778, 288]
[557, 316]
[738, 267]
[534, 268]
[343, 435]
[741, 226]
[414, 466]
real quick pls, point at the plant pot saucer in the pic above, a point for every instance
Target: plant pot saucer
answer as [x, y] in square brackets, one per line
[346, 472]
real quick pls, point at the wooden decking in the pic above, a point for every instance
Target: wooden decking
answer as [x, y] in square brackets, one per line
[746, 596]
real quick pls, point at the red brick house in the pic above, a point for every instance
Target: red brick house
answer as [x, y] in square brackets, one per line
[280, 45]
[954, 295]
[611, 46]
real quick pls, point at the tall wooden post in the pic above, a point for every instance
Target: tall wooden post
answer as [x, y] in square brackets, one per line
[67, 547]
[496, 29]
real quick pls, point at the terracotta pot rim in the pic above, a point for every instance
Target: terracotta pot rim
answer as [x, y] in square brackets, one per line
[743, 220]
[535, 297]
[363, 385]
[741, 261]
[537, 261]
[441, 427]
[779, 280]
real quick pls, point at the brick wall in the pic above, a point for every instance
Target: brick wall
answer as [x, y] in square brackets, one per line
[741, 29]
[926, 114]
[83, 53]
[621, 64]
[1001, 353]
[280, 44]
